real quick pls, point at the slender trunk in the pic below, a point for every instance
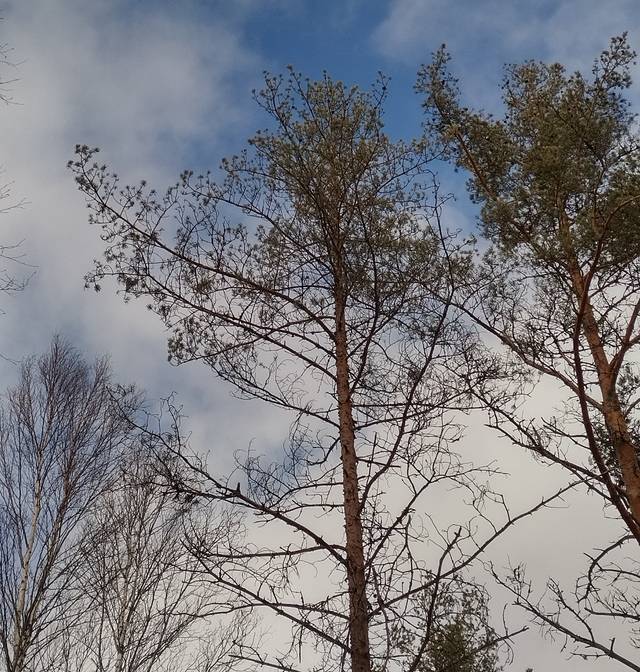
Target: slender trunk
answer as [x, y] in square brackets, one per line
[358, 611]
[614, 418]
[119, 665]
[615, 421]
[21, 625]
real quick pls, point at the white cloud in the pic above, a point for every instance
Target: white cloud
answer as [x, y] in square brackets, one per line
[150, 88]
[140, 83]
[482, 36]
[564, 30]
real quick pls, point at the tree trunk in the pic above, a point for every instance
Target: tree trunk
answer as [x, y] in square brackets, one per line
[358, 611]
[21, 626]
[615, 421]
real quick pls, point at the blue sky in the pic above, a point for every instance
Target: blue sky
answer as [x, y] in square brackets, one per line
[165, 85]
[353, 40]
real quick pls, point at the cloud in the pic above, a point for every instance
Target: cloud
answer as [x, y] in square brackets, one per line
[139, 83]
[482, 36]
[156, 90]
[568, 29]
[159, 89]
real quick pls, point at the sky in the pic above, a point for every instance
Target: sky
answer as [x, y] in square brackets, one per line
[164, 86]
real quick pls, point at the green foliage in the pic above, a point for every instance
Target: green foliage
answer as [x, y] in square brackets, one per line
[459, 637]
[556, 177]
[566, 145]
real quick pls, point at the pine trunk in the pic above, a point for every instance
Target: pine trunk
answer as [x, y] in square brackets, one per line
[358, 612]
[615, 421]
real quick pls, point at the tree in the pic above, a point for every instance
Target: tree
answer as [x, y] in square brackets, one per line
[60, 433]
[462, 638]
[312, 277]
[140, 597]
[557, 179]
[8, 252]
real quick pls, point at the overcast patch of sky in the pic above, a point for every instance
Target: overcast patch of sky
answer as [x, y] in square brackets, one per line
[147, 87]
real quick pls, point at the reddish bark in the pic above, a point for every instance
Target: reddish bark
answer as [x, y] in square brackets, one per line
[358, 612]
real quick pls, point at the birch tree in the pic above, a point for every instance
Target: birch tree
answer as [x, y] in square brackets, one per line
[60, 435]
[142, 604]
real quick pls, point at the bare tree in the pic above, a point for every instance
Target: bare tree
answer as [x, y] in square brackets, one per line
[6, 65]
[141, 600]
[558, 180]
[312, 277]
[8, 252]
[60, 435]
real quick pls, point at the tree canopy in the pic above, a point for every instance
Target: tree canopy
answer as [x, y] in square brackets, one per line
[315, 276]
[557, 181]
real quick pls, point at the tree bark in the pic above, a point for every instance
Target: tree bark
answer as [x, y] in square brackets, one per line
[615, 421]
[614, 418]
[358, 611]
[22, 624]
